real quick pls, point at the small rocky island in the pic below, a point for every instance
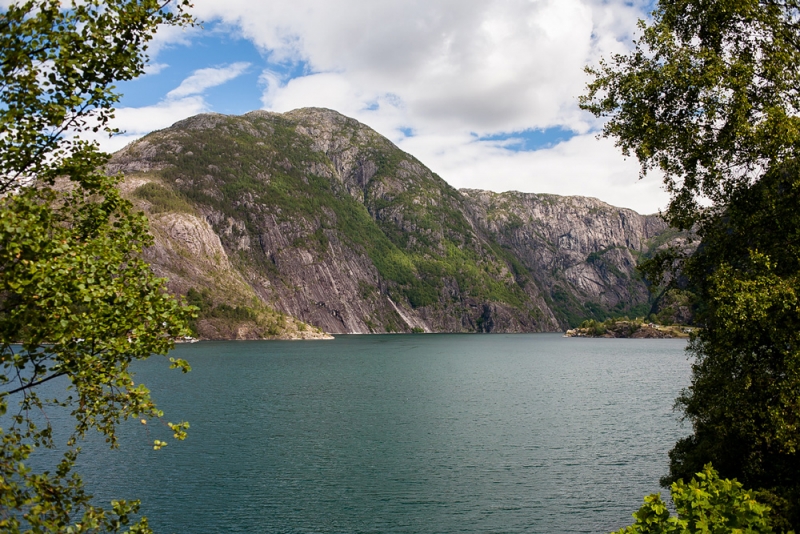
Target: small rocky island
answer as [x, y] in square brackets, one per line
[630, 328]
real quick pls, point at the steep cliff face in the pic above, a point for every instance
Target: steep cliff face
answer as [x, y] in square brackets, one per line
[326, 221]
[189, 253]
[581, 251]
[319, 218]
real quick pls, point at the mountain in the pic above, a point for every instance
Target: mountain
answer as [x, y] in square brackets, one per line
[310, 221]
[581, 251]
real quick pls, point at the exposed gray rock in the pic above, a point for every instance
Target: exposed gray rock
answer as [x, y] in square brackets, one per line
[321, 218]
[582, 250]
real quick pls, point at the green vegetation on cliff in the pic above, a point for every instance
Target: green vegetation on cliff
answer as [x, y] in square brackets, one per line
[625, 327]
[318, 216]
[242, 171]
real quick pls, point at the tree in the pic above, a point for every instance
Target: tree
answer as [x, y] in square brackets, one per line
[744, 399]
[76, 300]
[706, 504]
[709, 97]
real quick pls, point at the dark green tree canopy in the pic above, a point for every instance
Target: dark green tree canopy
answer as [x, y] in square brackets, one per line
[744, 399]
[709, 96]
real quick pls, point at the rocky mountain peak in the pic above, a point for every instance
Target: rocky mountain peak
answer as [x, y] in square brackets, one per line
[320, 218]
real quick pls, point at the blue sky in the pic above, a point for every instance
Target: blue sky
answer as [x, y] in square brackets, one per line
[206, 49]
[482, 91]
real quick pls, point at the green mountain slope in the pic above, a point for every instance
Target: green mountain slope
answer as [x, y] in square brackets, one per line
[313, 216]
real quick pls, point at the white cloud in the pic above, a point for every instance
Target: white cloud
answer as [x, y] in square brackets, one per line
[153, 68]
[170, 36]
[582, 166]
[204, 79]
[483, 65]
[182, 102]
[328, 90]
[134, 123]
[449, 68]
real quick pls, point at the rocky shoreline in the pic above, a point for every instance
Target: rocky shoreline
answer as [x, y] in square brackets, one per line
[630, 329]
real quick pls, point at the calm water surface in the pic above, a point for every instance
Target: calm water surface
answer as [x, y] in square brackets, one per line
[415, 433]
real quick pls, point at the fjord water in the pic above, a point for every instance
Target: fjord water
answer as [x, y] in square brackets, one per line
[402, 433]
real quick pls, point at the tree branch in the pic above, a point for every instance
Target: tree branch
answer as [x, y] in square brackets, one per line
[33, 384]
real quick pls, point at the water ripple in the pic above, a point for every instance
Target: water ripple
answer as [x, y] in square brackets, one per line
[406, 434]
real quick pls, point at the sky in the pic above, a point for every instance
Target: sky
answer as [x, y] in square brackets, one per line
[484, 92]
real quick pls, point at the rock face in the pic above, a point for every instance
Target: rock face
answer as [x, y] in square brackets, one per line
[581, 251]
[318, 217]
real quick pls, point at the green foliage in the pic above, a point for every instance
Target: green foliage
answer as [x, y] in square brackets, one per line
[567, 308]
[204, 303]
[76, 300]
[238, 313]
[595, 328]
[744, 400]
[709, 96]
[706, 504]
[161, 199]
[59, 60]
[229, 317]
[615, 326]
[200, 299]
